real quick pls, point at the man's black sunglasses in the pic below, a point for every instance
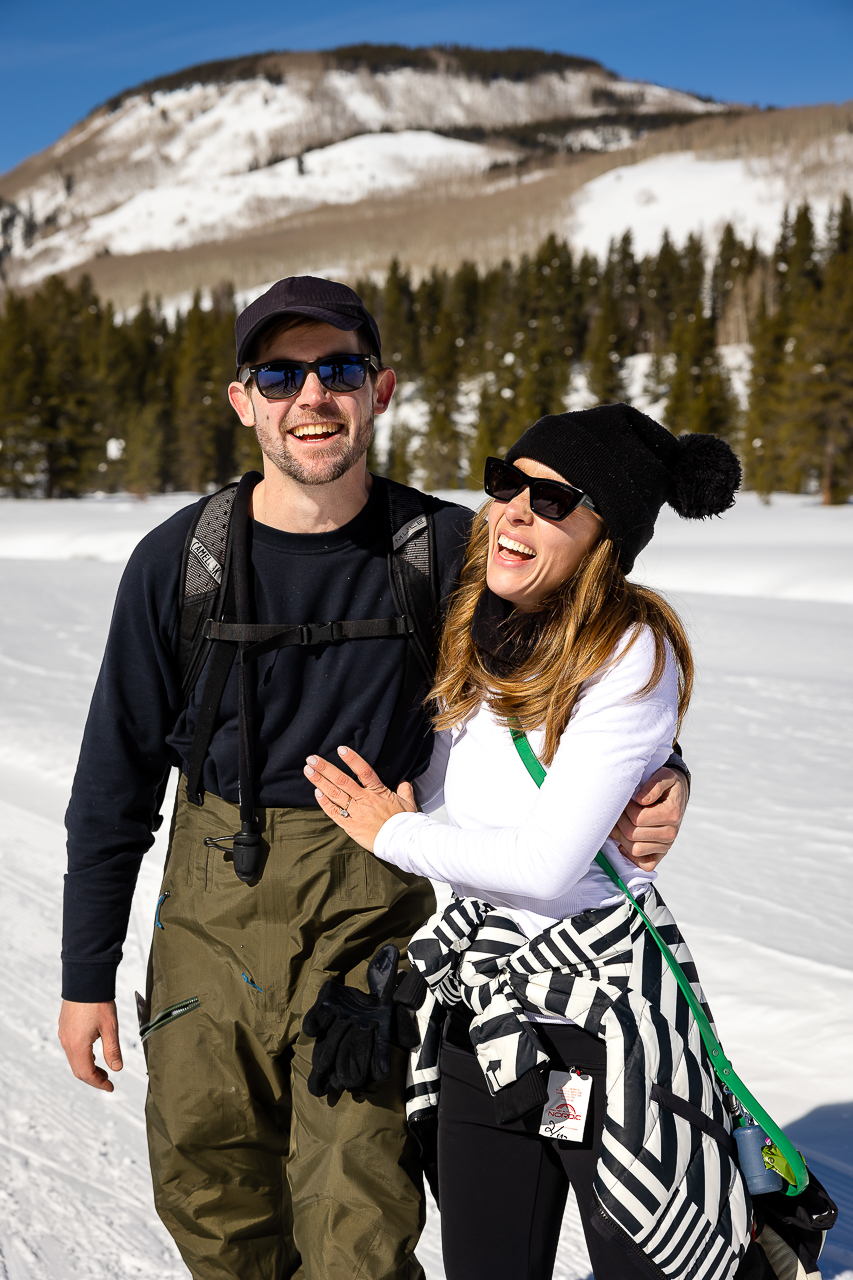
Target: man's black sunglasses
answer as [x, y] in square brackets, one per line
[281, 379]
[552, 499]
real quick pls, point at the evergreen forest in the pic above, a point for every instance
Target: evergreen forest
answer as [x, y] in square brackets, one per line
[94, 401]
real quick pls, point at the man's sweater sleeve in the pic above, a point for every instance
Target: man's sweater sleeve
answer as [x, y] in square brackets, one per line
[123, 765]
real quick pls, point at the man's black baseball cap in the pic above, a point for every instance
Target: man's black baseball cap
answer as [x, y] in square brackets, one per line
[323, 300]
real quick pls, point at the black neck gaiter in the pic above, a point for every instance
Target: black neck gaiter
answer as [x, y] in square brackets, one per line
[504, 638]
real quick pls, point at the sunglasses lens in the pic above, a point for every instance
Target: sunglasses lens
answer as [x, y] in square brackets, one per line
[280, 382]
[342, 375]
[553, 503]
[501, 480]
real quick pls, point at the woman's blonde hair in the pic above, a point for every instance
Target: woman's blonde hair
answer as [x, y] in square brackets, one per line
[580, 625]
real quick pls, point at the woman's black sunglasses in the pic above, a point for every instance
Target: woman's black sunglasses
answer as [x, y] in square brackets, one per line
[552, 499]
[281, 379]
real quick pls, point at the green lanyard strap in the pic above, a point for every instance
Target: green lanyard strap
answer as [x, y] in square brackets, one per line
[782, 1156]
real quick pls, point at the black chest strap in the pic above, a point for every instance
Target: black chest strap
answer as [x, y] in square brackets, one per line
[263, 637]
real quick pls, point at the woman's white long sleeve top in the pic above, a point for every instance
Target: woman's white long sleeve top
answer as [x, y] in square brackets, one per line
[530, 849]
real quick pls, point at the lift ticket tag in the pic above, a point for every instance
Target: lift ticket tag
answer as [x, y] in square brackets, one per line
[564, 1114]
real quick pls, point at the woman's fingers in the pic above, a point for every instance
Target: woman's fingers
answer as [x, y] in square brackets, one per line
[331, 807]
[359, 821]
[366, 774]
[330, 780]
[361, 811]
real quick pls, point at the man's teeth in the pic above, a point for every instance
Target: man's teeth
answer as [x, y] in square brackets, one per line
[512, 545]
[315, 429]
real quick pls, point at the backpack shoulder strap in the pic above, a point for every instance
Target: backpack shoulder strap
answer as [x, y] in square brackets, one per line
[413, 568]
[203, 579]
[222, 528]
[413, 573]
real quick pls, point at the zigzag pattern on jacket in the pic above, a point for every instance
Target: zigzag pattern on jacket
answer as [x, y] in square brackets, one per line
[666, 1180]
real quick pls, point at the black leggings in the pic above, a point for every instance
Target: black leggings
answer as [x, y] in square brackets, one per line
[503, 1188]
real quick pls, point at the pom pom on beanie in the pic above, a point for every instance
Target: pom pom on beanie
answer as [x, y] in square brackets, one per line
[630, 466]
[706, 477]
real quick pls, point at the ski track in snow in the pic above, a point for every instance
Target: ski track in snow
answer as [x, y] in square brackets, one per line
[759, 881]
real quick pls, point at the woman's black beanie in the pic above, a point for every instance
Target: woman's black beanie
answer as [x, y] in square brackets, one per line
[630, 466]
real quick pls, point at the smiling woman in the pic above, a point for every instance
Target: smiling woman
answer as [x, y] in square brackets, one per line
[531, 556]
[559, 691]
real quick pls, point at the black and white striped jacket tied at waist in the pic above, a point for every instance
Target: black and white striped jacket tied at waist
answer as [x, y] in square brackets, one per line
[666, 1182]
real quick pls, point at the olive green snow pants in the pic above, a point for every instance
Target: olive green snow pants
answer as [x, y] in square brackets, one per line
[253, 1177]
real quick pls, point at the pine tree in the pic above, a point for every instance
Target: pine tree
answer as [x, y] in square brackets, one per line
[731, 296]
[658, 295]
[439, 454]
[139, 375]
[503, 338]
[65, 430]
[398, 462]
[495, 432]
[397, 323]
[210, 442]
[609, 340]
[21, 451]
[699, 395]
[542, 368]
[840, 228]
[792, 282]
[813, 433]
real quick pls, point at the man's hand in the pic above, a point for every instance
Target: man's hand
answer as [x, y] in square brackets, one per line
[651, 820]
[80, 1025]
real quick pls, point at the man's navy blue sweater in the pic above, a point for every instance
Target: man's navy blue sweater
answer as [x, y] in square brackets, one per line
[308, 700]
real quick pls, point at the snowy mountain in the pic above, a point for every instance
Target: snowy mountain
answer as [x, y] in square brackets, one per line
[243, 147]
[264, 166]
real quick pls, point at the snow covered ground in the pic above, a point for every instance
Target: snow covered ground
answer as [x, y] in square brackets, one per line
[685, 192]
[759, 881]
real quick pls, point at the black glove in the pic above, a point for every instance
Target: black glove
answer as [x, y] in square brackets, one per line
[798, 1224]
[353, 1029]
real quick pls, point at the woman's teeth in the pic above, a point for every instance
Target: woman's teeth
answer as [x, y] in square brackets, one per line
[509, 544]
[315, 429]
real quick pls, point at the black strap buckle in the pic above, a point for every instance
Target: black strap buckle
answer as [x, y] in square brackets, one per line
[321, 632]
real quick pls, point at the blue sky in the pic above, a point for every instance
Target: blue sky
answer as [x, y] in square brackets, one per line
[58, 60]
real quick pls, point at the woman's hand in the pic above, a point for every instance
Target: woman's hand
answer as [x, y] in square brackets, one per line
[360, 810]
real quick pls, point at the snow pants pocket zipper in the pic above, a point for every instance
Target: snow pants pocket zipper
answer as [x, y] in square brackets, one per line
[165, 1016]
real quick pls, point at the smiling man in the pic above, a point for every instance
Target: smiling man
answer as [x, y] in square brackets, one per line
[255, 1176]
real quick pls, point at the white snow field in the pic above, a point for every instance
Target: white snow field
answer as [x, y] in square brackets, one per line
[760, 878]
[685, 192]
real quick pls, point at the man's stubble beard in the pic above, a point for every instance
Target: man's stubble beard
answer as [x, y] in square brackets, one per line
[273, 445]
